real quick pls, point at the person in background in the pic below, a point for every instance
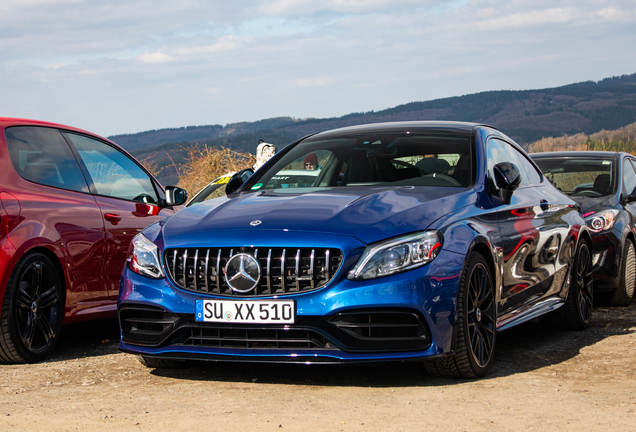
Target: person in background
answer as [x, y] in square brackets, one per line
[264, 152]
[311, 162]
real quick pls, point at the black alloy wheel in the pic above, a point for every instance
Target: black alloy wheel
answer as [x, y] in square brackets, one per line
[475, 327]
[480, 315]
[584, 285]
[576, 313]
[32, 311]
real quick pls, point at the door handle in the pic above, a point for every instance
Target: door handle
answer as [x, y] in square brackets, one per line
[112, 218]
[545, 205]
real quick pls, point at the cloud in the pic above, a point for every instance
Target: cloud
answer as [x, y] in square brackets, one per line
[155, 57]
[156, 63]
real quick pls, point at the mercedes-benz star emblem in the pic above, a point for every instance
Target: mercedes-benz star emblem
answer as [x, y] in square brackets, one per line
[256, 223]
[242, 273]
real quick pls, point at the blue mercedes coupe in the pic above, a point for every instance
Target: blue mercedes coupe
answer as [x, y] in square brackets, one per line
[414, 241]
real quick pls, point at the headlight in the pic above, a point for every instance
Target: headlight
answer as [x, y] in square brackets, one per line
[601, 221]
[145, 258]
[397, 255]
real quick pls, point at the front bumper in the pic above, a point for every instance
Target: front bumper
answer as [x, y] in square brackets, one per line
[408, 316]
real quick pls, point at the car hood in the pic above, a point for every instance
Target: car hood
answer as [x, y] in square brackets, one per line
[595, 204]
[368, 214]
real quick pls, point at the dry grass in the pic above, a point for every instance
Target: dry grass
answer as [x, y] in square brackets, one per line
[203, 164]
[614, 140]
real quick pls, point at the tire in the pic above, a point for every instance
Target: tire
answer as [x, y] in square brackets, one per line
[158, 363]
[32, 311]
[576, 313]
[475, 329]
[622, 296]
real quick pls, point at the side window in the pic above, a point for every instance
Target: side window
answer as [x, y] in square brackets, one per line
[41, 155]
[500, 151]
[629, 176]
[113, 173]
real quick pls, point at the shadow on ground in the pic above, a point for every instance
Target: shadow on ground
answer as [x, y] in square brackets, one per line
[521, 349]
[86, 339]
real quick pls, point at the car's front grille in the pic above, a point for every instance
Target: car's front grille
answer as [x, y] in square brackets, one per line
[263, 338]
[283, 270]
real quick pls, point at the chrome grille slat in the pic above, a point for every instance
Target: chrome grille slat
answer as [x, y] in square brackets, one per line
[207, 262]
[218, 271]
[297, 274]
[185, 267]
[196, 267]
[311, 266]
[269, 272]
[283, 270]
[297, 269]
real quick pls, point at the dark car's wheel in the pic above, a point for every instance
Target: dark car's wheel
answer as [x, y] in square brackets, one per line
[622, 296]
[475, 329]
[576, 313]
[32, 311]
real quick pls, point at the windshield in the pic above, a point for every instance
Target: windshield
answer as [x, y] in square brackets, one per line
[583, 177]
[402, 159]
[213, 190]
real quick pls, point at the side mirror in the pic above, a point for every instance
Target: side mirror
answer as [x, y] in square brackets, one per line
[237, 180]
[175, 195]
[507, 179]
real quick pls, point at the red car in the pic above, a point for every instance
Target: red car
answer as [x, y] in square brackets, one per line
[70, 203]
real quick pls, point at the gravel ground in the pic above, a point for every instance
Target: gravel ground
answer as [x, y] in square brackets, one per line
[541, 380]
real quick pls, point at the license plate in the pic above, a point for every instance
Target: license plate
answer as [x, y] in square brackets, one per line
[246, 311]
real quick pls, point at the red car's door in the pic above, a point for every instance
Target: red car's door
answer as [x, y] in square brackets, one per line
[123, 220]
[127, 196]
[57, 211]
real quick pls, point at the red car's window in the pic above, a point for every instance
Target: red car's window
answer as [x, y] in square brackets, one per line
[41, 155]
[113, 173]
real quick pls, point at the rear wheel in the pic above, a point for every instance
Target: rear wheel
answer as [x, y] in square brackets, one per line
[622, 296]
[576, 313]
[32, 311]
[475, 328]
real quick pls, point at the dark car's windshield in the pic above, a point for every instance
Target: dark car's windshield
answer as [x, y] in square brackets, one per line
[584, 176]
[402, 159]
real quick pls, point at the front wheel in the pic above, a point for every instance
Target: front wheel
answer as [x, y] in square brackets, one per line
[32, 311]
[622, 296]
[475, 329]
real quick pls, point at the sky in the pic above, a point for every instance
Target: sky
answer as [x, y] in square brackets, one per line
[116, 66]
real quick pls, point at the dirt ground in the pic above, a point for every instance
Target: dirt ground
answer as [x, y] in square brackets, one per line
[541, 380]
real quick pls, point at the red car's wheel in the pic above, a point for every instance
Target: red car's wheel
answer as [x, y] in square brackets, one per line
[32, 311]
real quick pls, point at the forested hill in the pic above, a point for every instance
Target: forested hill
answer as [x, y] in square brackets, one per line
[525, 115]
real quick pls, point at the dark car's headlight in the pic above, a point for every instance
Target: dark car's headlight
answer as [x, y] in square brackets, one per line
[145, 258]
[397, 255]
[601, 221]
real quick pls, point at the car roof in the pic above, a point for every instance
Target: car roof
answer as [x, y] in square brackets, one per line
[10, 121]
[438, 126]
[577, 154]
